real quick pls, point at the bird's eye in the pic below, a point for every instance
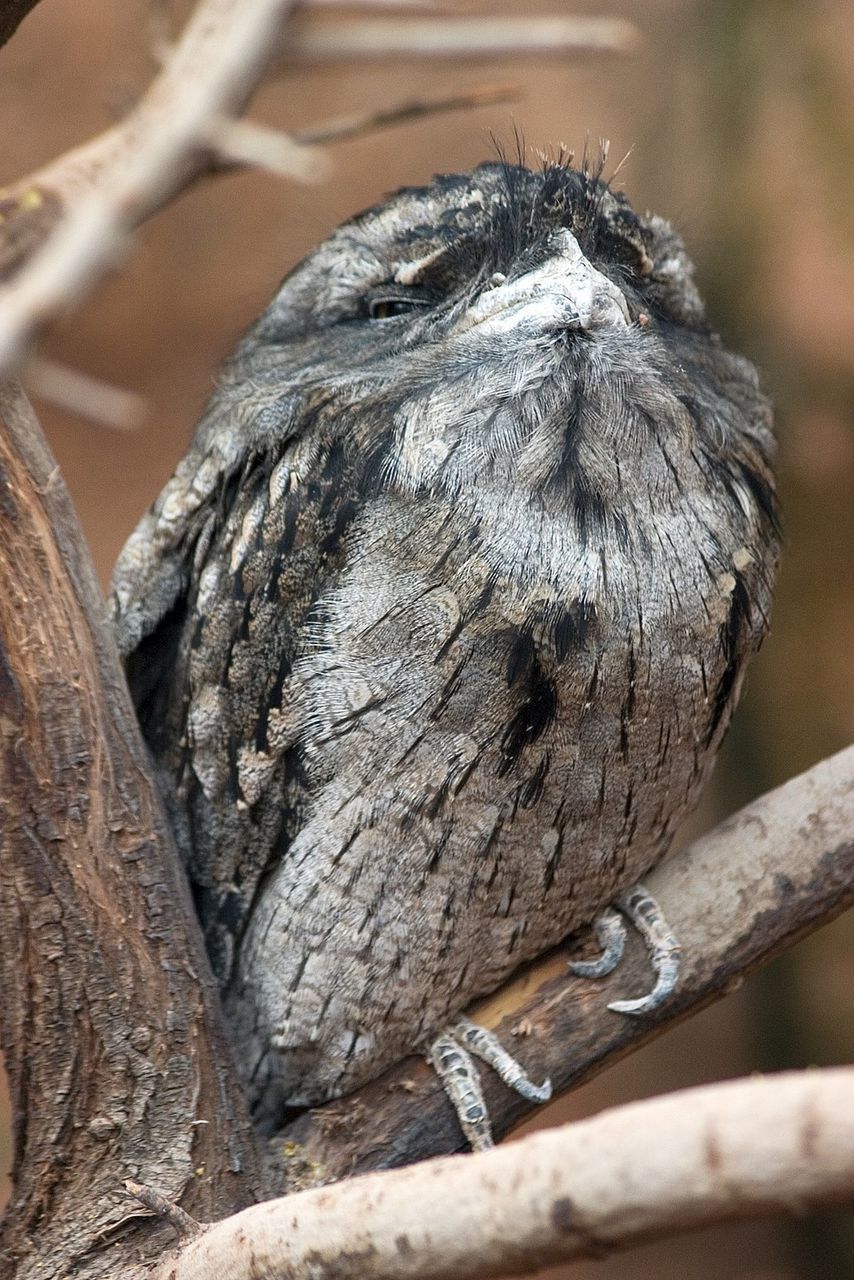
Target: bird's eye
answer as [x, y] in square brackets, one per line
[385, 305]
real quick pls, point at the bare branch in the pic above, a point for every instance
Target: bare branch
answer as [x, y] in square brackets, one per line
[66, 225]
[369, 121]
[31, 209]
[215, 66]
[779, 1145]
[87, 397]
[452, 37]
[238, 143]
[735, 898]
[161, 31]
[407, 6]
[157, 1204]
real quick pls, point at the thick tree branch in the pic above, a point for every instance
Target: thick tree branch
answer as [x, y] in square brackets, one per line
[110, 1022]
[782, 1144]
[735, 898]
[109, 1017]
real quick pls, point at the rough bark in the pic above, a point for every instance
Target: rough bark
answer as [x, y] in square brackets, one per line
[735, 899]
[110, 1020]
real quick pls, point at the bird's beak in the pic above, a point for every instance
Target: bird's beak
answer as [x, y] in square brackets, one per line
[564, 292]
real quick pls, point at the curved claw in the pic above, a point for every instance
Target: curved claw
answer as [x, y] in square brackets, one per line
[667, 969]
[611, 935]
[534, 1092]
[486, 1046]
[645, 914]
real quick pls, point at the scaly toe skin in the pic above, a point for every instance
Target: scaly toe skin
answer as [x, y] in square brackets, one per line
[460, 1080]
[450, 1056]
[486, 1045]
[641, 908]
[611, 935]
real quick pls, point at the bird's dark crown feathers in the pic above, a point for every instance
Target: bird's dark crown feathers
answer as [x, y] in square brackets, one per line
[462, 229]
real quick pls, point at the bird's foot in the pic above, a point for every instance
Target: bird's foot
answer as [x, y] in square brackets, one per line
[640, 907]
[611, 935]
[451, 1057]
[452, 1053]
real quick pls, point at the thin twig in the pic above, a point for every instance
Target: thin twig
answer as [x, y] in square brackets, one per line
[161, 31]
[240, 143]
[69, 223]
[406, 6]
[351, 126]
[172, 1213]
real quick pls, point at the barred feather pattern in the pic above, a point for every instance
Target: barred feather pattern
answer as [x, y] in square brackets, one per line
[436, 630]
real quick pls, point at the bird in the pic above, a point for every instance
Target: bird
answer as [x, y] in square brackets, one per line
[437, 628]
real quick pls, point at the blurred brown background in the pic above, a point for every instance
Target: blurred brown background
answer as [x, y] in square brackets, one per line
[740, 114]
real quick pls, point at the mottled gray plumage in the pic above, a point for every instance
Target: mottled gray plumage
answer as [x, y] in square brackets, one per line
[437, 628]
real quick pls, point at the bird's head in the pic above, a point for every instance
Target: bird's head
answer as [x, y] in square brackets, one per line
[507, 332]
[509, 325]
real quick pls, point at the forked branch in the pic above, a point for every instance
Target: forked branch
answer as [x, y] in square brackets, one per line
[63, 227]
[110, 1021]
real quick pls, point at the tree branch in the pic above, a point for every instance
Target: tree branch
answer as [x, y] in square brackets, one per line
[66, 225]
[87, 397]
[458, 37]
[98, 193]
[782, 1144]
[359, 122]
[736, 898]
[110, 1019]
